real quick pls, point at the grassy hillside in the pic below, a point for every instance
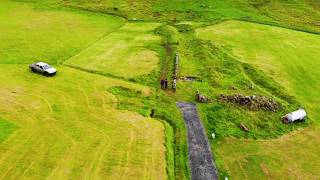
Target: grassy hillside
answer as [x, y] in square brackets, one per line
[290, 58]
[301, 14]
[298, 14]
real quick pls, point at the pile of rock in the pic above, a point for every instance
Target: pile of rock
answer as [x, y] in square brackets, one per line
[244, 127]
[201, 98]
[251, 102]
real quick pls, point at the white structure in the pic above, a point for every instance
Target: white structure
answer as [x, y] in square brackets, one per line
[213, 135]
[295, 116]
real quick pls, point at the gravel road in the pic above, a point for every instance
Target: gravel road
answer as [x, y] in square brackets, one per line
[201, 159]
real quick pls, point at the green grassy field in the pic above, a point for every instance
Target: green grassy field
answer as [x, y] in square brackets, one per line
[70, 126]
[29, 33]
[291, 58]
[124, 53]
[92, 120]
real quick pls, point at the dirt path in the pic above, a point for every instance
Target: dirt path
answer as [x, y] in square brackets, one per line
[200, 157]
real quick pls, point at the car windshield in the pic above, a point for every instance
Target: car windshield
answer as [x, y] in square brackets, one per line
[46, 66]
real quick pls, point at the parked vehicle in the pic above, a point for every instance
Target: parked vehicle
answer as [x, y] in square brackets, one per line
[43, 68]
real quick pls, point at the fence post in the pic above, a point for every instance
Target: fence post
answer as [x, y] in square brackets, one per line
[175, 74]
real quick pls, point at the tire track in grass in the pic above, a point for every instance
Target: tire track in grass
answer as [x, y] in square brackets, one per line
[99, 160]
[109, 122]
[132, 135]
[86, 98]
[26, 156]
[34, 161]
[97, 124]
[49, 105]
[87, 170]
[119, 167]
[102, 98]
[16, 173]
[145, 164]
[124, 152]
[108, 144]
[108, 139]
[23, 133]
[101, 154]
[12, 165]
[63, 165]
[17, 142]
[146, 160]
[152, 158]
[86, 125]
[67, 162]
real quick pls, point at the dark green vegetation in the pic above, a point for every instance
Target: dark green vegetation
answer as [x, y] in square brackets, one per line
[160, 29]
[130, 99]
[297, 14]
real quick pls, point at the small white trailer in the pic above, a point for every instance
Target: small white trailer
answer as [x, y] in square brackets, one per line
[298, 115]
